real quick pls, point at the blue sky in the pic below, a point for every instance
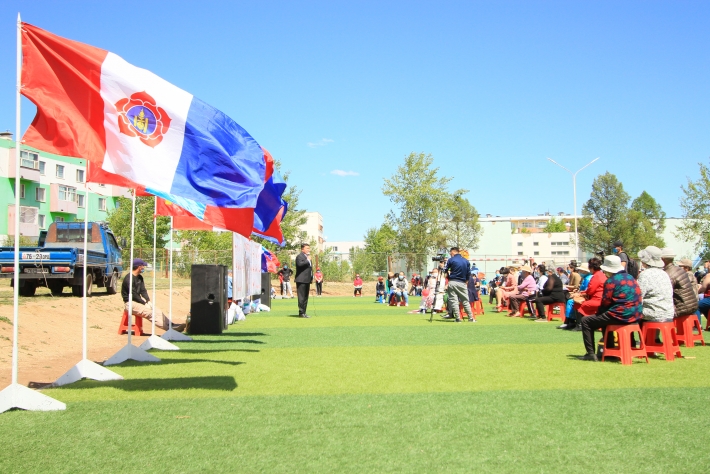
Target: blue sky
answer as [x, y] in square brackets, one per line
[341, 92]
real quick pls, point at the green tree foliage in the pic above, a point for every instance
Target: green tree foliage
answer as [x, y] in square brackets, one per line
[423, 207]
[608, 217]
[554, 225]
[119, 220]
[695, 205]
[460, 224]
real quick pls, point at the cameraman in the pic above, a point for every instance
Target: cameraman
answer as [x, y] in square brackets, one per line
[459, 271]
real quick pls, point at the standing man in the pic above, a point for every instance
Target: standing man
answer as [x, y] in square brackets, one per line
[286, 273]
[304, 276]
[459, 272]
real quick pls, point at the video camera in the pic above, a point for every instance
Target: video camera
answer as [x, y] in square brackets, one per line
[441, 256]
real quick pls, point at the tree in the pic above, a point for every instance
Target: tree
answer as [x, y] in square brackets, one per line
[695, 205]
[119, 220]
[460, 224]
[553, 225]
[420, 197]
[607, 218]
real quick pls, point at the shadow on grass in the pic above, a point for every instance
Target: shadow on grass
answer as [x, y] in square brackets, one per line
[228, 341]
[230, 335]
[202, 351]
[215, 382]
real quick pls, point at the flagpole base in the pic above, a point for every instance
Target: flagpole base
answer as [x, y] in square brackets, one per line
[173, 335]
[24, 398]
[155, 342]
[131, 352]
[86, 369]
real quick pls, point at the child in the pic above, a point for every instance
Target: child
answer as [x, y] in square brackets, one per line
[380, 290]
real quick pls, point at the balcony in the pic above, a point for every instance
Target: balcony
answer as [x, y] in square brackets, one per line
[29, 167]
[62, 199]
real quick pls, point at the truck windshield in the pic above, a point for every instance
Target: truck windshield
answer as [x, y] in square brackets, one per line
[74, 235]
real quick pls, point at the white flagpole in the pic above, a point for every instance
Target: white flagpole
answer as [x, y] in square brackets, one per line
[170, 334]
[155, 342]
[86, 369]
[16, 395]
[129, 351]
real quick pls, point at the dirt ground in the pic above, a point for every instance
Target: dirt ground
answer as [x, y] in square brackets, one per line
[50, 331]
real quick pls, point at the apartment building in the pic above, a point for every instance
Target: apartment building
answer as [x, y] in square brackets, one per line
[52, 189]
[313, 227]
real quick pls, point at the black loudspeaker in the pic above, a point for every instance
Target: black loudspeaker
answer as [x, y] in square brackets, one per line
[208, 301]
[265, 289]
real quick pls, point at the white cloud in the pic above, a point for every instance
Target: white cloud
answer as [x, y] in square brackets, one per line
[344, 173]
[319, 143]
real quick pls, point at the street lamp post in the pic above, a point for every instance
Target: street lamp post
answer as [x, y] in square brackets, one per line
[574, 190]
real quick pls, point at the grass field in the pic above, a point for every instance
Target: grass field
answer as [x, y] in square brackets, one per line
[361, 387]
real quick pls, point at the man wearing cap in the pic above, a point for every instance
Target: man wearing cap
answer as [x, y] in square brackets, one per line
[142, 307]
[685, 296]
[621, 303]
[459, 272]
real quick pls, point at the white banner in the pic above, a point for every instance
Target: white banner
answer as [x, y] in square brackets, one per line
[239, 257]
[254, 268]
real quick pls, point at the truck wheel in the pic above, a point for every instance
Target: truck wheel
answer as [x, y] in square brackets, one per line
[76, 290]
[28, 290]
[112, 284]
[56, 288]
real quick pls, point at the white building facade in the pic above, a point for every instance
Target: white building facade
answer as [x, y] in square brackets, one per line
[313, 227]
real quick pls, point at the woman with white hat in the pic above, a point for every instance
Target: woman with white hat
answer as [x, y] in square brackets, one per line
[656, 287]
[621, 303]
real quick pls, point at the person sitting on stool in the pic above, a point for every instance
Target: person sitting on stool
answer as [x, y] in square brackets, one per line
[142, 307]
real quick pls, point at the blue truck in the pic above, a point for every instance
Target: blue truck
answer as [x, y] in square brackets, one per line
[58, 260]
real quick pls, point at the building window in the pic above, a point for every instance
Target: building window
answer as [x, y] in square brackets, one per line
[520, 253]
[80, 199]
[79, 176]
[28, 215]
[541, 224]
[527, 224]
[334, 249]
[536, 244]
[67, 194]
[58, 219]
[560, 252]
[102, 185]
[41, 167]
[41, 220]
[520, 244]
[40, 194]
[60, 171]
[536, 254]
[22, 191]
[29, 159]
[102, 204]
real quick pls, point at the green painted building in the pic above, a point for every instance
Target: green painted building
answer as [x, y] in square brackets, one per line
[53, 188]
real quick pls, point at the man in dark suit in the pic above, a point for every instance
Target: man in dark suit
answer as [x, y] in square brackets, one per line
[304, 276]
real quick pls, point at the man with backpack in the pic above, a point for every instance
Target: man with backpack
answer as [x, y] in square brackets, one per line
[630, 266]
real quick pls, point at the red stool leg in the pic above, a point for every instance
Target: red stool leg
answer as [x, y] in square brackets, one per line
[124, 323]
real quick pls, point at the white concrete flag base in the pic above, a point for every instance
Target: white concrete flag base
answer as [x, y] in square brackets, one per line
[86, 369]
[155, 342]
[173, 335]
[131, 352]
[24, 398]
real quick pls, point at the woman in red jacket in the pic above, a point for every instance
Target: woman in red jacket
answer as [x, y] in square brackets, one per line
[358, 286]
[588, 301]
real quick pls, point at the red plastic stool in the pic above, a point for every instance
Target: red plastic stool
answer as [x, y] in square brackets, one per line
[624, 351]
[551, 314]
[137, 327]
[684, 327]
[477, 308]
[669, 340]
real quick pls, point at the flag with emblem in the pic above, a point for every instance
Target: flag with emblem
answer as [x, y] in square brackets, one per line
[133, 124]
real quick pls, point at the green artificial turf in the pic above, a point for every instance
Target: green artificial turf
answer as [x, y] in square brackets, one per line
[362, 387]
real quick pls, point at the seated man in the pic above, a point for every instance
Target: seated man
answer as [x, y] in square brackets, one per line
[142, 307]
[400, 289]
[621, 303]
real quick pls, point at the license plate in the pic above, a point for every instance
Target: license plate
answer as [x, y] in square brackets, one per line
[35, 255]
[36, 270]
